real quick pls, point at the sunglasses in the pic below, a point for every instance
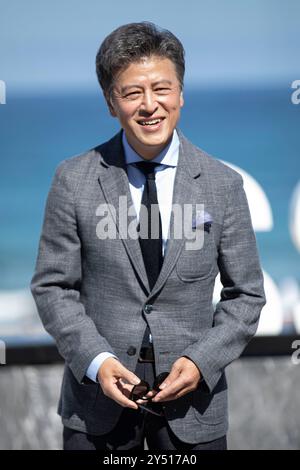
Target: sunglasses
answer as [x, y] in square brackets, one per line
[140, 391]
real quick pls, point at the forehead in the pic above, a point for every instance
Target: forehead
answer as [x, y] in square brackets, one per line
[149, 69]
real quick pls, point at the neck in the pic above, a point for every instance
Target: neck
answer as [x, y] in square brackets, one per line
[148, 152]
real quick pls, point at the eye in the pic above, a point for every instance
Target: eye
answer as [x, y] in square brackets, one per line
[163, 90]
[132, 95]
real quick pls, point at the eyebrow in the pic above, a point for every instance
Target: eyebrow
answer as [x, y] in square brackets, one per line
[159, 82]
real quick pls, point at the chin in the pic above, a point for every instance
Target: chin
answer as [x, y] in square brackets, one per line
[156, 139]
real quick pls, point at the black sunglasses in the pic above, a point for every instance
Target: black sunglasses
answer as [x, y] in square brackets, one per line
[140, 391]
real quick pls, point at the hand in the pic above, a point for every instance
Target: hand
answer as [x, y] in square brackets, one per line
[117, 382]
[183, 378]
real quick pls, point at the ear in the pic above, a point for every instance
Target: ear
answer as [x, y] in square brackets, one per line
[110, 105]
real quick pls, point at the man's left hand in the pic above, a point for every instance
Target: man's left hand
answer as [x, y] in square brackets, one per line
[183, 378]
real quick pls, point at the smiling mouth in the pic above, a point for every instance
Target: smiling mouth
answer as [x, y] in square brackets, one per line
[150, 122]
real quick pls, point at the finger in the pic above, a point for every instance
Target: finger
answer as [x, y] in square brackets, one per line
[120, 398]
[128, 376]
[173, 375]
[125, 385]
[175, 396]
[124, 388]
[148, 397]
[112, 369]
[141, 402]
[174, 388]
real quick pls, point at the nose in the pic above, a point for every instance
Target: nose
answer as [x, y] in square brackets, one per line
[149, 103]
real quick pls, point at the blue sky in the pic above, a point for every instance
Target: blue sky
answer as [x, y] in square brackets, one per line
[50, 44]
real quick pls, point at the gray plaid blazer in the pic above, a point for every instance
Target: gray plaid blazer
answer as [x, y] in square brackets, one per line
[91, 293]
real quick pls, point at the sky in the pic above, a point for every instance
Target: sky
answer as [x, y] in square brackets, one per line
[52, 44]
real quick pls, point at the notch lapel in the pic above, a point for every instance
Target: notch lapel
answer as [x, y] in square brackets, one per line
[114, 184]
[187, 190]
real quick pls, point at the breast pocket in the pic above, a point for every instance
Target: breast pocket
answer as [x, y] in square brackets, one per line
[196, 263]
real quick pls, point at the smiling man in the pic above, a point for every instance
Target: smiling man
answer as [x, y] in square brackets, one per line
[145, 351]
[146, 98]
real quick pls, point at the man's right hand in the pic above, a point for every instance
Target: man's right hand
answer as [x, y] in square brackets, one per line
[117, 382]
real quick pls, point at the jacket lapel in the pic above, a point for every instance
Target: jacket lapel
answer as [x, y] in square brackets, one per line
[114, 183]
[187, 190]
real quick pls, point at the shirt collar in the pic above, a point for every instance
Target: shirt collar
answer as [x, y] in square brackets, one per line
[168, 156]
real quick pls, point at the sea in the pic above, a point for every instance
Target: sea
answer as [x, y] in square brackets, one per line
[256, 129]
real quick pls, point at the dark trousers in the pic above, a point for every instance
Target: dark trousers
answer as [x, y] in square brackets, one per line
[134, 427]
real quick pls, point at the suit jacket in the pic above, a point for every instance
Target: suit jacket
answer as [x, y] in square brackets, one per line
[93, 294]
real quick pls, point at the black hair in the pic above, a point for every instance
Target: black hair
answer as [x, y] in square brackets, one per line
[131, 43]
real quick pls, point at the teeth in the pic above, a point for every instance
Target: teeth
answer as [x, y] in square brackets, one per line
[150, 123]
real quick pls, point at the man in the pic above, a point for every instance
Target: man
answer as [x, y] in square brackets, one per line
[126, 304]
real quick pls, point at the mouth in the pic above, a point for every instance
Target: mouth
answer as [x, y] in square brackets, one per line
[150, 122]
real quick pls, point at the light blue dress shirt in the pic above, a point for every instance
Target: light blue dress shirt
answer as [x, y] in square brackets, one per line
[165, 176]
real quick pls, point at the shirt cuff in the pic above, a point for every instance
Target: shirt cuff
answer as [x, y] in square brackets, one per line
[92, 371]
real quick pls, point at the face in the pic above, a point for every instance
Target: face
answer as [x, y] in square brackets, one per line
[147, 100]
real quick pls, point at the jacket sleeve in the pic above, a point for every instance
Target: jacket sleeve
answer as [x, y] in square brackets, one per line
[242, 297]
[56, 283]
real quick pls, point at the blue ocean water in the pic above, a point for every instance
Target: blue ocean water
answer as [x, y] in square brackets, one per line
[257, 130]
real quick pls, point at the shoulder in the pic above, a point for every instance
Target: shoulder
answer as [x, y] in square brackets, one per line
[85, 165]
[76, 166]
[81, 168]
[220, 170]
[75, 172]
[211, 167]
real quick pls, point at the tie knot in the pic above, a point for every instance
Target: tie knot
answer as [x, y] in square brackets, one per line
[147, 168]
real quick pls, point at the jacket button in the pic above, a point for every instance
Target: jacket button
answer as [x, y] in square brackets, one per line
[148, 308]
[131, 351]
